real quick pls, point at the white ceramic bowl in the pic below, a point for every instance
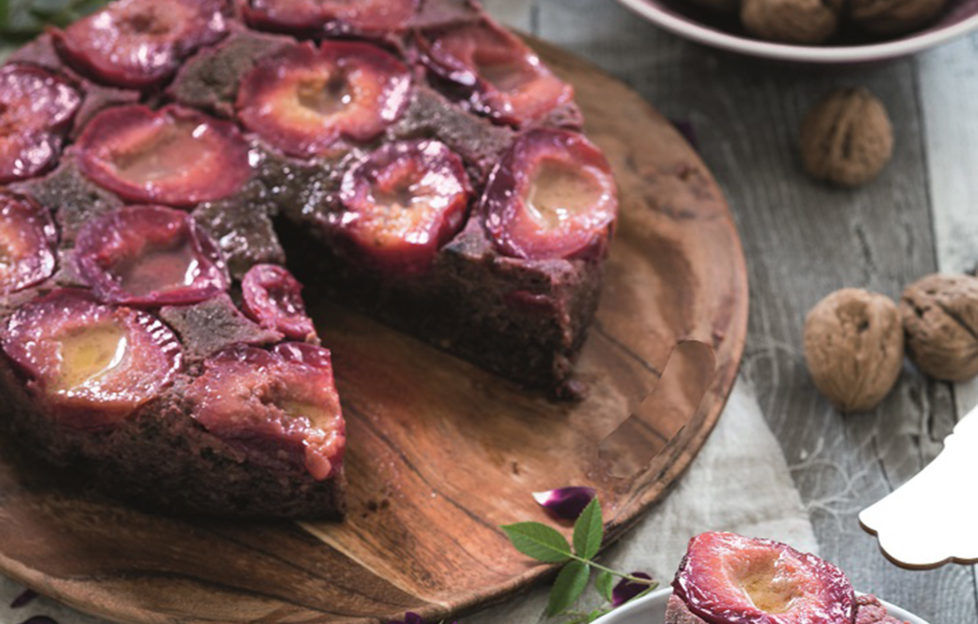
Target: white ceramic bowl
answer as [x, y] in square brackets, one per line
[651, 609]
[960, 18]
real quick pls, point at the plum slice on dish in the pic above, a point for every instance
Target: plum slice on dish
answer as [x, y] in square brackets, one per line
[305, 99]
[174, 156]
[94, 364]
[273, 298]
[335, 17]
[551, 196]
[503, 76]
[27, 240]
[280, 403]
[149, 255]
[140, 43]
[402, 203]
[36, 111]
[729, 579]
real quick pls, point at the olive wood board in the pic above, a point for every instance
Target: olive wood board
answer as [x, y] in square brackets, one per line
[441, 453]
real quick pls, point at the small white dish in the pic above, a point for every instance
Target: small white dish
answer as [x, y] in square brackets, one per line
[651, 609]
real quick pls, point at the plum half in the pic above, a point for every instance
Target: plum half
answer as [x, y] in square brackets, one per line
[149, 255]
[140, 43]
[729, 579]
[551, 196]
[273, 298]
[27, 240]
[334, 17]
[304, 99]
[280, 403]
[503, 76]
[402, 203]
[94, 364]
[36, 111]
[174, 156]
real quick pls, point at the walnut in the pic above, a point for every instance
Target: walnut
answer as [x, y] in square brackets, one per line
[791, 21]
[940, 318]
[893, 17]
[847, 139]
[854, 348]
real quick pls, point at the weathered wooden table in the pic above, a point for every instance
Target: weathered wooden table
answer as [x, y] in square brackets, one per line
[803, 240]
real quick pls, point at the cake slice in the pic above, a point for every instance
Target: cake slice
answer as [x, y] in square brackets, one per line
[729, 579]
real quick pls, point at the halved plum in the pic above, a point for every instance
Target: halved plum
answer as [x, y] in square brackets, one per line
[402, 203]
[94, 364]
[551, 196]
[140, 43]
[174, 156]
[36, 110]
[305, 99]
[506, 79]
[334, 17]
[149, 255]
[273, 298]
[729, 579]
[280, 404]
[27, 240]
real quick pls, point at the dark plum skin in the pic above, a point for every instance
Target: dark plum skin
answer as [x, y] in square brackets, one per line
[91, 364]
[333, 17]
[273, 298]
[149, 256]
[140, 43]
[551, 196]
[402, 203]
[277, 402]
[27, 240]
[503, 76]
[729, 579]
[175, 156]
[306, 99]
[37, 108]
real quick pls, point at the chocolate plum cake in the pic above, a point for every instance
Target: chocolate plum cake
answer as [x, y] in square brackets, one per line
[729, 579]
[417, 160]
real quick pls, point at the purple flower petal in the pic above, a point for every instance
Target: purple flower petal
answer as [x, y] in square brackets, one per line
[25, 597]
[565, 503]
[625, 590]
[409, 618]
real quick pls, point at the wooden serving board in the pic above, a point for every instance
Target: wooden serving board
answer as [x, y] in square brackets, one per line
[442, 453]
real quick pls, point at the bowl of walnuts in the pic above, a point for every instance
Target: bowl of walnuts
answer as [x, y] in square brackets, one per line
[814, 31]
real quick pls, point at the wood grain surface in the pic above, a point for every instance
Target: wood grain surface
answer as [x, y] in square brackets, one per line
[442, 453]
[803, 240]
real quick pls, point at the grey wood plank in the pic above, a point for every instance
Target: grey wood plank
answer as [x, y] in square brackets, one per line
[802, 241]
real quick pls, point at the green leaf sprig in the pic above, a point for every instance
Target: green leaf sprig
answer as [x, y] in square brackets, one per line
[546, 544]
[21, 19]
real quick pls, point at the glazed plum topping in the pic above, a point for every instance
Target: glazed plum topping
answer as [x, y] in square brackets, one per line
[27, 239]
[729, 579]
[507, 80]
[337, 17]
[552, 196]
[149, 255]
[173, 156]
[402, 203]
[36, 110]
[140, 43]
[305, 99]
[278, 403]
[273, 299]
[94, 364]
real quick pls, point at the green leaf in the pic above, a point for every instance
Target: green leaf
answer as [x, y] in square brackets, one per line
[539, 541]
[593, 615]
[568, 587]
[604, 582]
[589, 530]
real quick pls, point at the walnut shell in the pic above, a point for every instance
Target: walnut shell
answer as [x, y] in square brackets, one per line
[790, 21]
[893, 17]
[854, 348]
[940, 318]
[847, 138]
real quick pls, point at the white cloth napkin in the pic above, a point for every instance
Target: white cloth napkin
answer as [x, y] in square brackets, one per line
[739, 482]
